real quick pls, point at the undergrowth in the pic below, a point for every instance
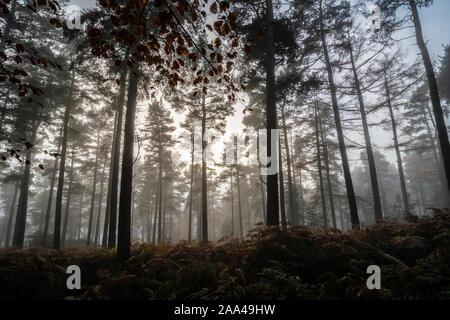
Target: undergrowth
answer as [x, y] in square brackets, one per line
[299, 264]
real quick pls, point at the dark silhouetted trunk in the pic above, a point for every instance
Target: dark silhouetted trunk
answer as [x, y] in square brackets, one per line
[273, 218]
[293, 206]
[261, 184]
[94, 188]
[204, 182]
[126, 182]
[434, 92]
[11, 214]
[372, 167]
[108, 193]
[50, 196]
[99, 212]
[397, 151]
[281, 177]
[190, 187]
[21, 217]
[62, 167]
[69, 195]
[232, 205]
[112, 216]
[241, 228]
[327, 172]
[155, 217]
[302, 202]
[345, 165]
[319, 167]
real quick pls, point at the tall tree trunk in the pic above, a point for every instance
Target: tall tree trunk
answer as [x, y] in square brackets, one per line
[434, 92]
[319, 167]
[50, 196]
[345, 165]
[94, 188]
[62, 167]
[372, 167]
[293, 206]
[204, 177]
[397, 150]
[281, 177]
[69, 194]
[108, 193]
[190, 187]
[327, 172]
[302, 202]
[112, 216]
[99, 212]
[80, 214]
[155, 217]
[261, 183]
[21, 217]
[444, 191]
[232, 205]
[126, 182]
[273, 218]
[160, 201]
[241, 229]
[164, 211]
[11, 214]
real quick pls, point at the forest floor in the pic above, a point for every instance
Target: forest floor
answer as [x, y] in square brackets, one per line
[299, 264]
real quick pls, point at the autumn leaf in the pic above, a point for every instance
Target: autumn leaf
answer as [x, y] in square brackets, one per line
[213, 8]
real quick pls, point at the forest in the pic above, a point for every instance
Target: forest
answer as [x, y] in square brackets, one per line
[206, 149]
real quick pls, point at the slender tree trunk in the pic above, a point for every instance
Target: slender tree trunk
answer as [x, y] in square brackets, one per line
[204, 177]
[319, 167]
[50, 197]
[116, 160]
[302, 202]
[434, 92]
[293, 206]
[190, 187]
[345, 165]
[232, 205]
[69, 194]
[273, 218]
[155, 216]
[62, 167]
[160, 181]
[99, 212]
[397, 151]
[372, 167]
[108, 194]
[281, 177]
[149, 219]
[11, 214]
[241, 229]
[126, 182]
[80, 214]
[261, 183]
[327, 172]
[21, 217]
[164, 211]
[384, 199]
[94, 189]
[444, 191]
